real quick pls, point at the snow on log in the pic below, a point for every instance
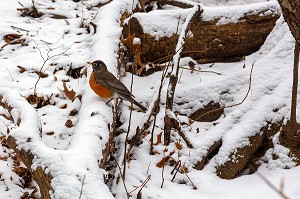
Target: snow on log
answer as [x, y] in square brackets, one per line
[26, 119]
[219, 34]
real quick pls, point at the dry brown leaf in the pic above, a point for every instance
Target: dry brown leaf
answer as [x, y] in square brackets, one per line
[135, 48]
[178, 145]
[143, 3]
[69, 93]
[22, 69]
[158, 139]
[3, 158]
[69, 123]
[165, 160]
[10, 37]
[63, 106]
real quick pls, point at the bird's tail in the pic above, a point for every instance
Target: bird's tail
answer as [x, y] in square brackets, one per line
[139, 105]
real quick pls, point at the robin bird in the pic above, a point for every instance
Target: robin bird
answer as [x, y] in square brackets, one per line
[106, 85]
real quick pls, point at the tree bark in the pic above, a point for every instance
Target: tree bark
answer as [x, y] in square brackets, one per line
[289, 136]
[42, 179]
[291, 13]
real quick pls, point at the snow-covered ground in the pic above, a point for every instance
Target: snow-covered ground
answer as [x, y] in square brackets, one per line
[71, 150]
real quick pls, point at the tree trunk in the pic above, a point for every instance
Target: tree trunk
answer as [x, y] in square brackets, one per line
[289, 136]
[291, 13]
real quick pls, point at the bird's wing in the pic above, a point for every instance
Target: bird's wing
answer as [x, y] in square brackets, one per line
[109, 81]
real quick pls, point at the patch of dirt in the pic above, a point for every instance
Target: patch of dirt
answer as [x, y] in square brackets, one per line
[207, 114]
[211, 152]
[38, 101]
[74, 72]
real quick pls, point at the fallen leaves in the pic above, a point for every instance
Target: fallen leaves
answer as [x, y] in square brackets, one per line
[69, 123]
[69, 93]
[134, 45]
[165, 160]
[11, 39]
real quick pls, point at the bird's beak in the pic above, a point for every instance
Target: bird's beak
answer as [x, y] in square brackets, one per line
[90, 63]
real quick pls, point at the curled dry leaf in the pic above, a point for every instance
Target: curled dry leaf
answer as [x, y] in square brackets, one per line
[63, 106]
[134, 45]
[69, 93]
[165, 160]
[22, 69]
[69, 123]
[10, 37]
[158, 139]
[178, 145]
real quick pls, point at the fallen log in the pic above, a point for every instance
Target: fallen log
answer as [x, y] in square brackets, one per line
[42, 178]
[219, 34]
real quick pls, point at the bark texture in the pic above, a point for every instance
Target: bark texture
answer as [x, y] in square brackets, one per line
[290, 134]
[291, 13]
[42, 179]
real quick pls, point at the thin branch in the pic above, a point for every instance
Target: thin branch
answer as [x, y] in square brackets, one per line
[194, 186]
[46, 60]
[218, 109]
[142, 185]
[152, 110]
[201, 71]
[122, 178]
[9, 74]
[128, 130]
[177, 167]
[16, 41]
[152, 134]
[81, 186]
[279, 192]
[162, 172]
[186, 139]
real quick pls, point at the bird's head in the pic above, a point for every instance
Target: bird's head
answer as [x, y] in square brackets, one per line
[98, 65]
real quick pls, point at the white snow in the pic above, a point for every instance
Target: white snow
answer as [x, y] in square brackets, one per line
[72, 153]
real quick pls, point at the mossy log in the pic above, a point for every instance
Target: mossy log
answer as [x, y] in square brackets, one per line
[212, 37]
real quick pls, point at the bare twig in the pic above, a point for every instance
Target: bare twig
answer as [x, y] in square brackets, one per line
[9, 74]
[186, 139]
[194, 186]
[152, 110]
[45, 60]
[16, 41]
[175, 70]
[152, 134]
[82, 186]
[142, 185]
[218, 109]
[122, 178]
[128, 130]
[271, 185]
[202, 71]
[15, 27]
[162, 172]
[177, 167]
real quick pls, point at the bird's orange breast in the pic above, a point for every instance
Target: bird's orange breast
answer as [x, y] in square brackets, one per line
[99, 90]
